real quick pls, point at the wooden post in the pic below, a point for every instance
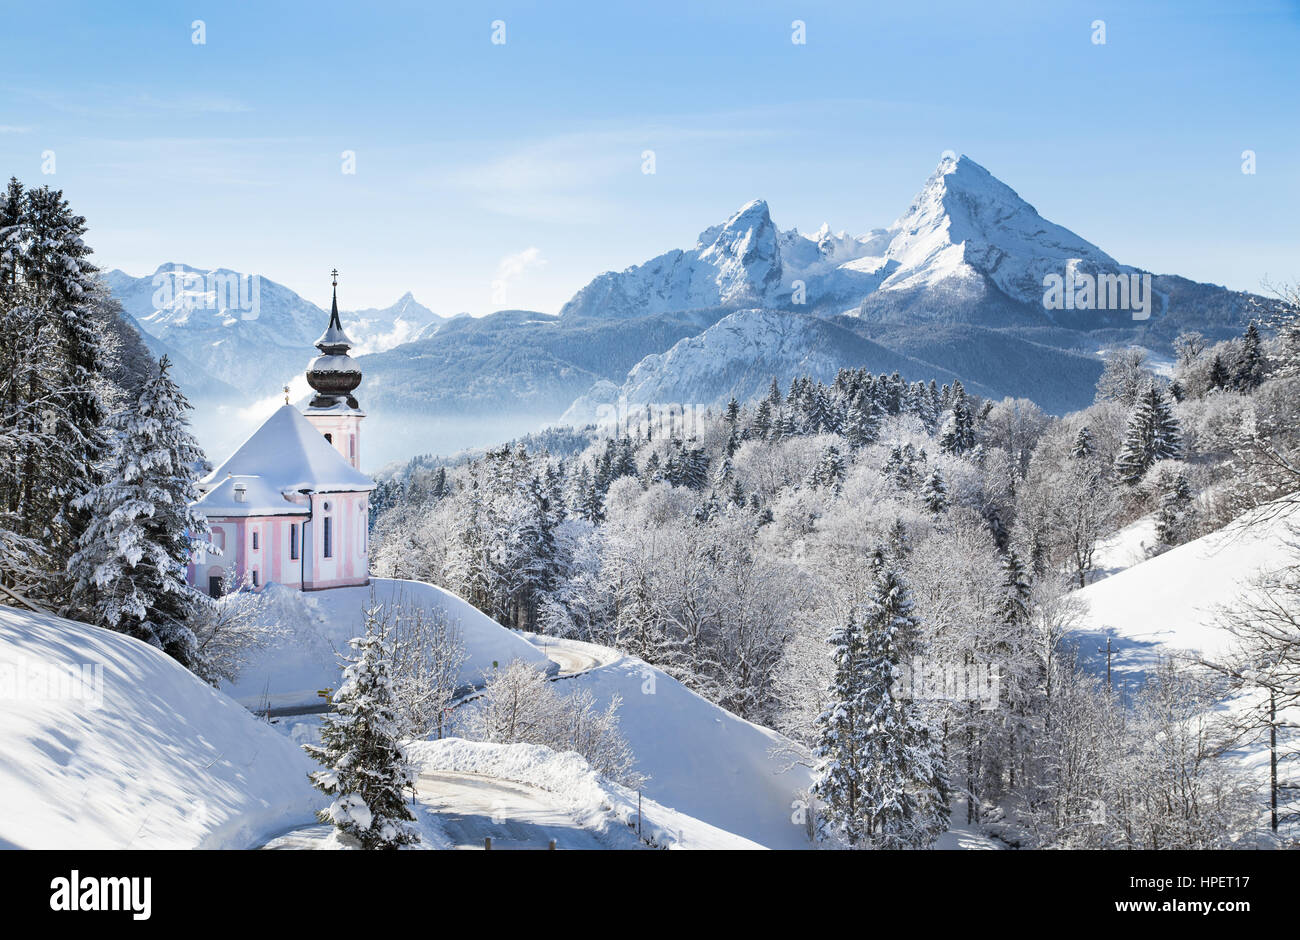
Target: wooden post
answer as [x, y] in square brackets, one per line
[551, 846]
[1272, 754]
[487, 843]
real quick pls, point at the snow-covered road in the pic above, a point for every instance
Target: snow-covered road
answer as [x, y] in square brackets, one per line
[471, 808]
[467, 808]
[572, 656]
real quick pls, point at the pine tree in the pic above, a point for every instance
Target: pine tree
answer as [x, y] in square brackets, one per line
[732, 419]
[906, 792]
[880, 769]
[59, 272]
[829, 471]
[53, 365]
[1152, 434]
[862, 424]
[842, 739]
[934, 492]
[958, 434]
[1083, 447]
[1016, 589]
[762, 425]
[1219, 377]
[1174, 516]
[128, 573]
[366, 769]
[1250, 368]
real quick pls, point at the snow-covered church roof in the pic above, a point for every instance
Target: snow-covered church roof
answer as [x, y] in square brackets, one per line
[268, 472]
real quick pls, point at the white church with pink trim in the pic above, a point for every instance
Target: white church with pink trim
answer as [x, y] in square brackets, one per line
[291, 506]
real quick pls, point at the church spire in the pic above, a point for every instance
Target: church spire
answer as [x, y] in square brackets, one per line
[334, 342]
[334, 306]
[333, 375]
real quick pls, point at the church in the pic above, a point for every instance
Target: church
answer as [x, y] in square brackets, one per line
[291, 506]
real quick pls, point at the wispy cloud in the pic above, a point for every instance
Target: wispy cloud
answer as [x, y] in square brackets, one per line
[117, 103]
[511, 268]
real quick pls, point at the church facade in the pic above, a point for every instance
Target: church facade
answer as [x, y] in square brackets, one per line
[291, 506]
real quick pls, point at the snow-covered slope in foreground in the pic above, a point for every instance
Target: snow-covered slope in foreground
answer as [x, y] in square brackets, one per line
[1171, 601]
[319, 625]
[139, 754]
[701, 759]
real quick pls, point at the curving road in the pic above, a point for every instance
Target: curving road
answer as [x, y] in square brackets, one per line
[572, 656]
[471, 807]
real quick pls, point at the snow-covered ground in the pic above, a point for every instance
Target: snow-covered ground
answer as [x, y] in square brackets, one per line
[1122, 550]
[320, 624]
[1171, 602]
[701, 759]
[136, 753]
[532, 794]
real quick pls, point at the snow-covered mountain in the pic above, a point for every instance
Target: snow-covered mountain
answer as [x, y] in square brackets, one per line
[744, 262]
[965, 225]
[966, 239]
[248, 331]
[376, 330]
[740, 355]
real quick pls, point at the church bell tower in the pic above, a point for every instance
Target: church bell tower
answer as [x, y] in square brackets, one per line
[334, 376]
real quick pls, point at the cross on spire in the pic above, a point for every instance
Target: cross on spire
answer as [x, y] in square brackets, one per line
[335, 275]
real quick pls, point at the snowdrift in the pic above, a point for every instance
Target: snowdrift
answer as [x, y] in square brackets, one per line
[319, 625]
[134, 752]
[702, 760]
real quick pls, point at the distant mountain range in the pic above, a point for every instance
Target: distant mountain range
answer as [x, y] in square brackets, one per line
[236, 331]
[955, 288]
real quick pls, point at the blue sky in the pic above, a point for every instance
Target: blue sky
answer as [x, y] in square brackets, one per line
[477, 163]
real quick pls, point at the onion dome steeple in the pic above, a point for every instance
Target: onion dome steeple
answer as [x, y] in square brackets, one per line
[333, 375]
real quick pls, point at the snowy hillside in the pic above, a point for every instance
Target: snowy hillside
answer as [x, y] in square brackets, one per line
[147, 757]
[741, 354]
[320, 624]
[1171, 602]
[701, 759]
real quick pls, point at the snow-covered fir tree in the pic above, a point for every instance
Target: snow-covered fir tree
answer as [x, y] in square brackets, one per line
[934, 492]
[1152, 434]
[54, 355]
[880, 765]
[128, 572]
[1083, 446]
[958, 433]
[1176, 513]
[365, 765]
